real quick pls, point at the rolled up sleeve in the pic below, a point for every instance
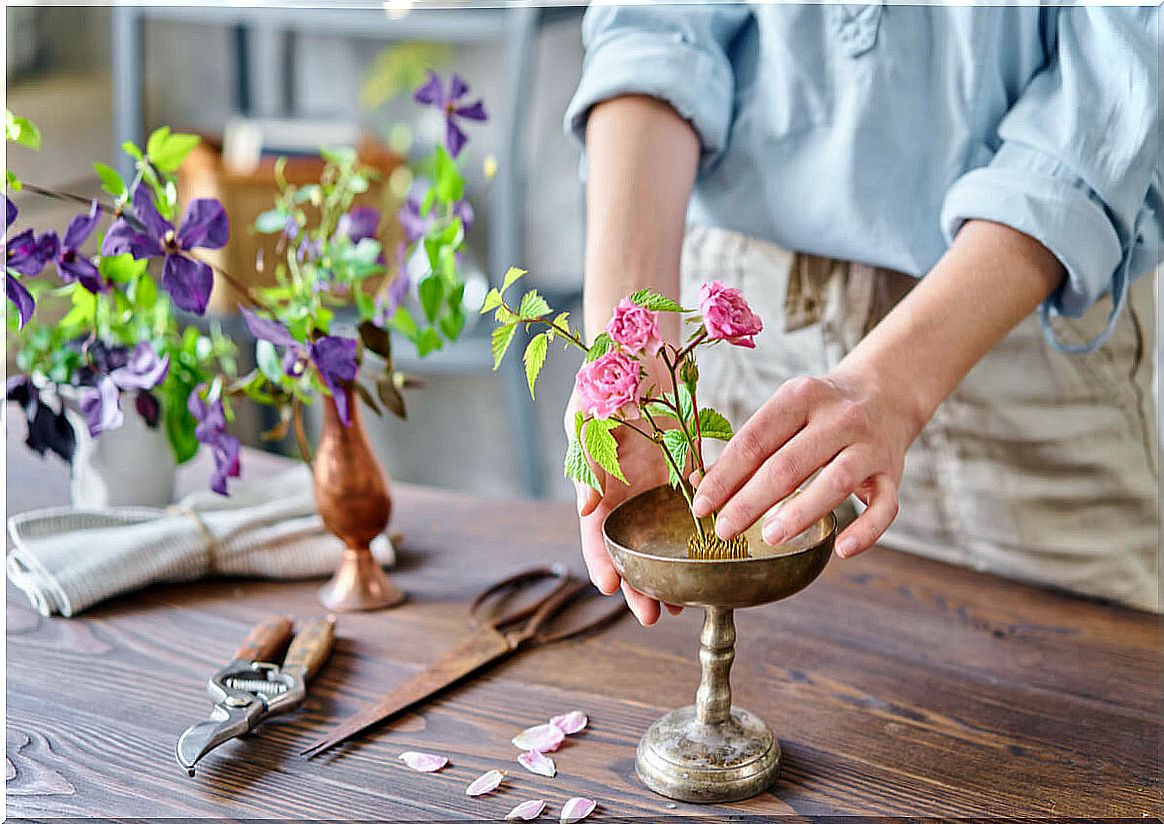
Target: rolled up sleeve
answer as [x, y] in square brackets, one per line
[678, 54]
[1078, 167]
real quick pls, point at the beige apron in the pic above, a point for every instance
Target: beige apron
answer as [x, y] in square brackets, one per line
[1041, 466]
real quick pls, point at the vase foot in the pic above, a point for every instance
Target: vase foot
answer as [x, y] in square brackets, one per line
[360, 584]
[682, 758]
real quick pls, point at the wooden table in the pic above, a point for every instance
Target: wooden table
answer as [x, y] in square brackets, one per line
[898, 686]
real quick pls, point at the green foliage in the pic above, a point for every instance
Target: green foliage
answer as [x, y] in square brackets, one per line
[535, 358]
[399, 69]
[271, 221]
[602, 447]
[431, 291]
[512, 276]
[599, 347]
[533, 306]
[577, 468]
[21, 130]
[714, 425]
[677, 446]
[502, 337]
[450, 186]
[111, 181]
[167, 151]
[655, 302]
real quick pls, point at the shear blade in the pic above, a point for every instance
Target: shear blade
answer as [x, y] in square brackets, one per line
[204, 736]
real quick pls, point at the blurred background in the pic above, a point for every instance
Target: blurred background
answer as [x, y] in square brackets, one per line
[92, 76]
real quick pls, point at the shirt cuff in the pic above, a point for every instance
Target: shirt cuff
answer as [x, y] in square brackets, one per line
[1034, 193]
[698, 86]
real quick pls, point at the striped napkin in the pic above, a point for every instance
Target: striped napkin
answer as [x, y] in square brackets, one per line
[66, 559]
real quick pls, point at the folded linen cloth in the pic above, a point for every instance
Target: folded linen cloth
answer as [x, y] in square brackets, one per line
[65, 559]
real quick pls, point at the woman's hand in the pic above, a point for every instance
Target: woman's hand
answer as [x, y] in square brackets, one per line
[847, 426]
[642, 463]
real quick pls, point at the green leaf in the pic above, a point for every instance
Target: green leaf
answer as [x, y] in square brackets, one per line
[21, 130]
[453, 323]
[403, 322]
[343, 156]
[685, 406]
[492, 301]
[156, 140]
[512, 275]
[84, 308]
[577, 467]
[562, 321]
[270, 222]
[600, 347]
[431, 291]
[602, 447]
[450, 186]
[172, 152]
[535, 358]
[677, 446]
[428, 201]
[13, 181]
[428, 342]
[389, 394]
[268, 360]
[502, 337]
[655, 302]
[122, 268]
[145, 293]
[714, 425]
[533, 306]
[110, 180]
[131, 149]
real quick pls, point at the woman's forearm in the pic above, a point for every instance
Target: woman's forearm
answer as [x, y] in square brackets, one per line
[991, 278]
[641, 158]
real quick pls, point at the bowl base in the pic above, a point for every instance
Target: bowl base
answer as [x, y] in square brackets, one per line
[685, 759]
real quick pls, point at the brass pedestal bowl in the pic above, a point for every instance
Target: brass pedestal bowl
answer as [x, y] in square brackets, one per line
[709, 752]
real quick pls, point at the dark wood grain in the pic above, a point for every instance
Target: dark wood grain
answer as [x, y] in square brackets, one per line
[898, 686]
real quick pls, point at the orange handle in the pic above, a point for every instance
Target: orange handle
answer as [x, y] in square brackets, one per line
[312, 645]
[267, 640]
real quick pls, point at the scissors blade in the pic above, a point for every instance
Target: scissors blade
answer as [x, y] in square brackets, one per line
[224, 724]
[483, 647]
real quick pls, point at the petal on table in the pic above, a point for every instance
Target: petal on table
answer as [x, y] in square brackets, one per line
[538, 763]
[543, 738]
[527, 810]
[485, 783]
[576, 809]
[423, 761]
[570, 723]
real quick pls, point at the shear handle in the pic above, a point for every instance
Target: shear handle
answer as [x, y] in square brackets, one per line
[499, 619]
[267, 640]
[311, 646]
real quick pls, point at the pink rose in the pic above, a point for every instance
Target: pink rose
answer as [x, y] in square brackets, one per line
[727, 316]
[608, 384]
[634, 328]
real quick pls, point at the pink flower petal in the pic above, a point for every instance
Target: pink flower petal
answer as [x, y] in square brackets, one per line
[576, 809]
[527, 810]
[485, 783]
[423, 761]
[570, 723]
[543, 738]
[538, 763]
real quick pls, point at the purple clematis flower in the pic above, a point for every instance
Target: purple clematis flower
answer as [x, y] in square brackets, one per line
[73, 266]
[149, 235]
[25, 255]
[334, 357]
[359, 223]
[48, 429]
[414, 224]
[139, 371]
[433, 93]
[211, 430]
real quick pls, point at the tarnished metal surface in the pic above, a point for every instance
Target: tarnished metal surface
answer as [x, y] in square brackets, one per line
[709, 752]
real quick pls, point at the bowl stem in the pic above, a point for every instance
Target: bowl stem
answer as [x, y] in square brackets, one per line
[717, 651]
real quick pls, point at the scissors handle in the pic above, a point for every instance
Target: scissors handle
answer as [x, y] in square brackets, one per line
[311, 646]
[266, 640]
[558, 602]
[515, 582]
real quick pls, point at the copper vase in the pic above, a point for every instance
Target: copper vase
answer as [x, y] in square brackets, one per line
[351, 494]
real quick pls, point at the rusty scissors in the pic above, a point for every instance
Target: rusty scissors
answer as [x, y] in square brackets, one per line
[500, 631]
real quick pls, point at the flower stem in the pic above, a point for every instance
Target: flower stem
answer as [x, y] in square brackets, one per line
[678, 474]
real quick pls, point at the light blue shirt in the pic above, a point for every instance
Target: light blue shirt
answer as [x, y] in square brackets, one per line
[871, 133]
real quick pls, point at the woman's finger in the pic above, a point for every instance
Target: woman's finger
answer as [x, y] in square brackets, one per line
[781, 417]
[823, 494]
[780, 475]
[602, 572]
[871, 524]
[645, 609]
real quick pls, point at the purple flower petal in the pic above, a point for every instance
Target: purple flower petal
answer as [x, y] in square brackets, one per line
[458, 88]
[10, 211]
[144, 370]
[335, 358]
[432, 92]
[267, 329]
[538, 763]
[148, 408]
[543, 738]
[474, 111]
[81, 226]
[359, 223]
[123, 237]
[21, 298]
[189, 283]
[576, 809]
[464, 210]
[570, 723]
[485, 783]
[147, 213]
[80, 269]
[423, 761]
[205, 225]
[527, 810]
[102, 407]
[226, 464]
[27, 254]
[455, 139]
